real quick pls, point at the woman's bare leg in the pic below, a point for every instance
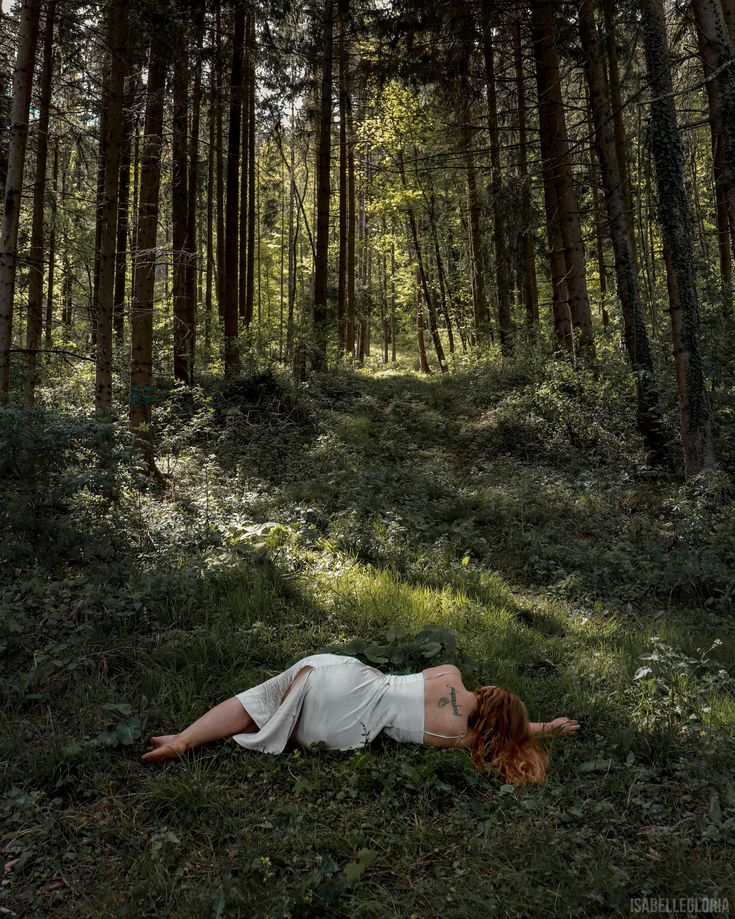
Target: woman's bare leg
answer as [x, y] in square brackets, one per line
[224, 720]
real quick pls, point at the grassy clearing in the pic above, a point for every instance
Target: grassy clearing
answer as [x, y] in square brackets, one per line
[371, 506]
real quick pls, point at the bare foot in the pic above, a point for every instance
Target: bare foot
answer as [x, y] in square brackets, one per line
[171, 750]
[162, 739]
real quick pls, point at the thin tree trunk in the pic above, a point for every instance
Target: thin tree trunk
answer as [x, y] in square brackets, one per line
[502, 261]
[192, 244]
[420, 327]
[141, 324]
[22, 83]
[233, 175]
[597, 211]
[473, 207]
[558, 171]
[52, 249]
[244, 183]
[112, 146]
[210, 209]
[219, 156]
[616, 102]
[393, 301]
[676, 230]
[180, 197]
[621, 233]
[118, 317]
[253, 204]
[441, 277]
[35, 257]
[321, 263]
[718, 59]
[528, 249]
[422, 276]
[351, 305]
[343, 212]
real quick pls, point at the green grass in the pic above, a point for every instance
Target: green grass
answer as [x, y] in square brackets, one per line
[396, 501]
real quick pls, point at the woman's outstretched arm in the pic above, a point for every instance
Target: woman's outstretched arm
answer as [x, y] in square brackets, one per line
[559, 727]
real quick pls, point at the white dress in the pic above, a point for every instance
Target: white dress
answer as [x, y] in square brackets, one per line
[340, 702]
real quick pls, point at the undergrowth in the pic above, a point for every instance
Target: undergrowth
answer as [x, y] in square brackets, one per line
[502, 518]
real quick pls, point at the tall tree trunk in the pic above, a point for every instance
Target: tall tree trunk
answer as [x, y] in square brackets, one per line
[343, 210]
[233, 175]
[219, 157]
[192, 245]
[621, 233]
[123, 220]
[244, 183]
[293, 241]
[351, 305]
[112, 145]
[52, 250]
[718, 58]
[558, 170]
[141, 323]
[528, 249]
[180, 195]
[393, 301]
[421, 272]
[420, 327]
[502, 261]
[211, 170]
[676, 230]
[35, 256]
[616, 102]
[22, 83]
[252, 198]
[443, 290]
[596, 210]
[473, 207]
[321, 262]
[424, 282]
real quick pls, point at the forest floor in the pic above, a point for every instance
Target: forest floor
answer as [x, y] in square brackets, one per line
[495, 519]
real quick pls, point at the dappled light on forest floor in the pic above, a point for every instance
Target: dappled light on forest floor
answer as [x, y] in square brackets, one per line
[381, 527]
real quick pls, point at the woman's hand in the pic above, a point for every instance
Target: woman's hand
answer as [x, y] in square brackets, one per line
[561, 727]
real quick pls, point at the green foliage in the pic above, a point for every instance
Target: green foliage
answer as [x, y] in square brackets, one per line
[402, 521]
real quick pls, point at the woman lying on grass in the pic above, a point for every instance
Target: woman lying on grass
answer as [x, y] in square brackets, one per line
[344, 704]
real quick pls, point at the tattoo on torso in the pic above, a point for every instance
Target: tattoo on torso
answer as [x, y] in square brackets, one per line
[453, 700]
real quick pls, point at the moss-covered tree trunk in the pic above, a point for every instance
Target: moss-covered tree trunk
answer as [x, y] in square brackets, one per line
[676, 230]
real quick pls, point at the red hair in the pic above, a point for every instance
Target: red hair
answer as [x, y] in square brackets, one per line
[499, 731]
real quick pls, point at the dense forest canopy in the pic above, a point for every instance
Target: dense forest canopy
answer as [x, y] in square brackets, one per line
[194, 185]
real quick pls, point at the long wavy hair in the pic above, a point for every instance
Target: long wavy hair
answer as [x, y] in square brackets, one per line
[499, 733]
